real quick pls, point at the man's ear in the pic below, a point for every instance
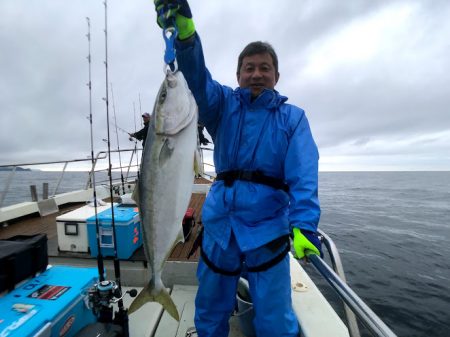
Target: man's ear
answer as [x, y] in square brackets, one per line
[238, 76]
[277, 77]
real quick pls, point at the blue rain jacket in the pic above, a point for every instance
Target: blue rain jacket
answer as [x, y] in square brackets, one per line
[265, 134]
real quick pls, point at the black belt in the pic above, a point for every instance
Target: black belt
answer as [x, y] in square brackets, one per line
[253, 176]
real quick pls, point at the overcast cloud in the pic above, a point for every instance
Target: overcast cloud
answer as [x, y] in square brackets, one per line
[373, 76]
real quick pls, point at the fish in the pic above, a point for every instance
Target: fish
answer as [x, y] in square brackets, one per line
[165, 184]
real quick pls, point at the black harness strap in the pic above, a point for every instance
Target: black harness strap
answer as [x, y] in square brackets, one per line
[229, 177]
[216, 269]
[262, 267]
[269, 264]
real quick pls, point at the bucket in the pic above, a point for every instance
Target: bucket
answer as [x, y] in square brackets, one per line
[245, 312]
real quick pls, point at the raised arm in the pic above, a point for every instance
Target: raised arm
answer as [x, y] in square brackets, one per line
[191, 61]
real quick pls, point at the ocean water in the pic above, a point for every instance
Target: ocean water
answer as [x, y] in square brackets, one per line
[19, 185]
[392, 230]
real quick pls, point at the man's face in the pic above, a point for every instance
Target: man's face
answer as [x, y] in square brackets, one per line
[257, 73]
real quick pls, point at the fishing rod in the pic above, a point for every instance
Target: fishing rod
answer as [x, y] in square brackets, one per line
[117, 135]
[100, 263]
[140, 111]
[117, 127]
[134, 150]
[121, 315]
[135, 141]
[140, 106]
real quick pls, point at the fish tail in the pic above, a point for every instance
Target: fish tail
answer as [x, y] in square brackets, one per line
[162, 296]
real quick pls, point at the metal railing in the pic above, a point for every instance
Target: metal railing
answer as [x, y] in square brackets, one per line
[13, 169]
[353, 304]
[102, 155]
[126, 171]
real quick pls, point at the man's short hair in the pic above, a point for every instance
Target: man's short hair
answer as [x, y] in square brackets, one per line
[258, 47]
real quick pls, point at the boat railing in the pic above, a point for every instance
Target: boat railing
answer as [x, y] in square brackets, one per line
[124, 177]
[127, 169]
[12, 168]
[207, 167]
[354, 306]
[125, 173]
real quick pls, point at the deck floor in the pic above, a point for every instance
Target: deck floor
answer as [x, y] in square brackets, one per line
[34, 224]
[152, 321]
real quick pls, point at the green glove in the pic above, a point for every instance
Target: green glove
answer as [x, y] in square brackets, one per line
[175, 11]
[303, 246]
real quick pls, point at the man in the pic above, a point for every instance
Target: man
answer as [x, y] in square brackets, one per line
[142, 133]
[266, 187]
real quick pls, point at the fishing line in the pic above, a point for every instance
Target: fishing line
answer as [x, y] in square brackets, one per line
[135, 141]
[140, 107]
[117, 127]
[118, 145]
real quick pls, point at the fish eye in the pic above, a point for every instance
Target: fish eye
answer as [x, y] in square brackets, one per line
[163, 95]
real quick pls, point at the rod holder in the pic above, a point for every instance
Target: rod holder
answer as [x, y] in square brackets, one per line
[33, 191]
[44, 191]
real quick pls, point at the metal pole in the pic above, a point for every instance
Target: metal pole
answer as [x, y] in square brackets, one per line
[8, 183]
[33, 191]
[362, 311]
[44, 191]
[339, 269]
[60, 178]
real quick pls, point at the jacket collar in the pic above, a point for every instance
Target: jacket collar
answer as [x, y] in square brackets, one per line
[268, 98]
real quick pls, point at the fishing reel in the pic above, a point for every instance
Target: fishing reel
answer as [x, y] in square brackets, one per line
[102, 296]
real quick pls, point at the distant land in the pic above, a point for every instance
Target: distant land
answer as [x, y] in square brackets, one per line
[18, 168]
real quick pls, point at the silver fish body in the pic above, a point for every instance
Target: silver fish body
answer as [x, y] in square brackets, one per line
[165, 182]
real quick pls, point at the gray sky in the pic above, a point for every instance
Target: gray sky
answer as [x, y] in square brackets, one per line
[372, 76]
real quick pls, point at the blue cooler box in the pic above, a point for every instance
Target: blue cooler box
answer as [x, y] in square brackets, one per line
[49, 305]
[128, 232]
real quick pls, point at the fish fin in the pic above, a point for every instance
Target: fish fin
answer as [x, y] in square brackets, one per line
[152, 295]
[166, 152]
[198, 165]
[135, 194]
[180, 237]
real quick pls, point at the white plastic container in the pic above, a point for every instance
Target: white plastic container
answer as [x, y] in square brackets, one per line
[72, 229]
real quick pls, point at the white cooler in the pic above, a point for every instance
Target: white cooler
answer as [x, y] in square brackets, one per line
[72, 230]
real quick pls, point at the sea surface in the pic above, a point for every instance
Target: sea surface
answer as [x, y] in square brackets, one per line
[392, 230]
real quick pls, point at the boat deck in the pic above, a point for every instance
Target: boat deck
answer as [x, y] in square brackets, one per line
[151, 320]
[34, 224]
[179, 275]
